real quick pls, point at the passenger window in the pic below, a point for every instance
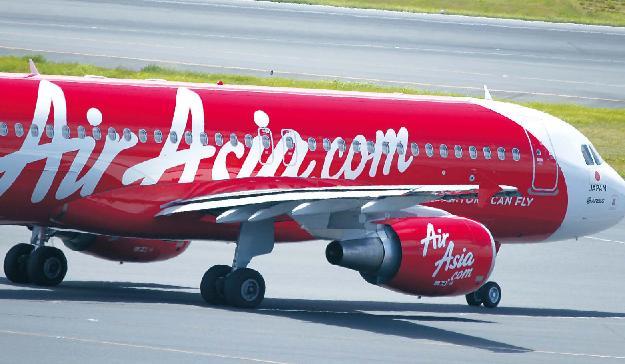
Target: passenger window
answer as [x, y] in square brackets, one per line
[82, 133]
[386, 148]
[219, 139]
[65, 131]
[356, 146]
[501, 153]
[458, 151]
[158, 136]
[587, 155]
[173, 137]
[326, 144]
[97, 134]
[473, 152]
[516, 154]
[112, 133]
[400, 149]
[429, 150]
[487, 152]
[414, 148]
[34, 130]
[127, 134]
[289, 143]
[342, 145]
[370, 147]
[19, 130]
[444, 151]
[143, 135]
[312, 144]
[266, 142]
[248, 140]
[4, 129]
[204, 138]
[188, 137]
[233, 140]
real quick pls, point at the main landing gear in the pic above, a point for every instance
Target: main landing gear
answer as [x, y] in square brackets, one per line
[489, 295]
[35, 263]
[238, 285]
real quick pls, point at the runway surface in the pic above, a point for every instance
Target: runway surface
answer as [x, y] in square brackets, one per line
[562, 303]
[517, 60]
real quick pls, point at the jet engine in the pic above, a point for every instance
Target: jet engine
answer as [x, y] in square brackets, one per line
[122, 249]
[437, 256]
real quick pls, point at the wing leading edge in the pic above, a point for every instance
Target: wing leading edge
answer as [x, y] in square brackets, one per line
[262, 204]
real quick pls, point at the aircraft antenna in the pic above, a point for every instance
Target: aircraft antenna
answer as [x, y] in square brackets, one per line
[487, 95]
[33, 68]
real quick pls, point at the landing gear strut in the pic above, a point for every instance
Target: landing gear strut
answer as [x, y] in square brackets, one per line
[238, 285]
[35, 263]
[488, 295]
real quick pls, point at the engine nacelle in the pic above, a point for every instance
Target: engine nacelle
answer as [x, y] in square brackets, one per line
[122, 249]
[437, 256]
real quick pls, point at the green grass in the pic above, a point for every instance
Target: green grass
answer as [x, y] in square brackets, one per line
[609, 12]
[604, 127]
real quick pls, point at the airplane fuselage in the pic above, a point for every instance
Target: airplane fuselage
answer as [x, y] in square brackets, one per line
[104, 156]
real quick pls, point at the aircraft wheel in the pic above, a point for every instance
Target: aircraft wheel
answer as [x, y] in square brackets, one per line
[490, 293]
[16, 261]
[211, 287]
[244, 288]
[47, 266]
[473, 299]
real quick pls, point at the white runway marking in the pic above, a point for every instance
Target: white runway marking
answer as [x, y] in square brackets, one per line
[318, 75]
[330, 44]
[93, 40]
[137, 346]
[605, 240]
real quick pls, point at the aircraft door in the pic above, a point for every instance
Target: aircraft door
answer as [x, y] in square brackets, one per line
[545, 166]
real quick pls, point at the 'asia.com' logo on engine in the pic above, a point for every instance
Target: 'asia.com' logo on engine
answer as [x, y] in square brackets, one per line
[449, 261]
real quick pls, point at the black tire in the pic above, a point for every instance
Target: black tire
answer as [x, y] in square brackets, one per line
[473, 299]
[244, 288]
[211, 287]
[47, 266]
[490, 293]
[16, 263]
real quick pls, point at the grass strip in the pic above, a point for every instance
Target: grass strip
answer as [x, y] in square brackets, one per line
[599, 12]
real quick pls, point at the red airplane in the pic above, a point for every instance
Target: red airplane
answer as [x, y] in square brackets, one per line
[416, 193]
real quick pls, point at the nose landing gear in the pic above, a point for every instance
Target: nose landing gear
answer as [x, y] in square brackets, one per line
[488, 295]
[35, 263]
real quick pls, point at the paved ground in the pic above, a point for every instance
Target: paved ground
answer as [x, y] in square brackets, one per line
[563, 302]
[517, 60]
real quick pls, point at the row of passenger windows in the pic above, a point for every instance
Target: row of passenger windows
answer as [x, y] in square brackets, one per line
[443, 150]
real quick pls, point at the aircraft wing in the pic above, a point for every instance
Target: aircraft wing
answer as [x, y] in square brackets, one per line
[262, 204]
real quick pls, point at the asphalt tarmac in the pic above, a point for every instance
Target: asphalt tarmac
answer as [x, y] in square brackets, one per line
[524, 61]
[562, 303]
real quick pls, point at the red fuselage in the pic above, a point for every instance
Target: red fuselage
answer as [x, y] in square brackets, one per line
[60, 174]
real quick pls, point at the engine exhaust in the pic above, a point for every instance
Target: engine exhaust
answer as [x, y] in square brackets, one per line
[363, 255]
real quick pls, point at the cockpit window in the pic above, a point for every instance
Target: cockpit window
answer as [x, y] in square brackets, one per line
[587, 155]
[595, 155]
